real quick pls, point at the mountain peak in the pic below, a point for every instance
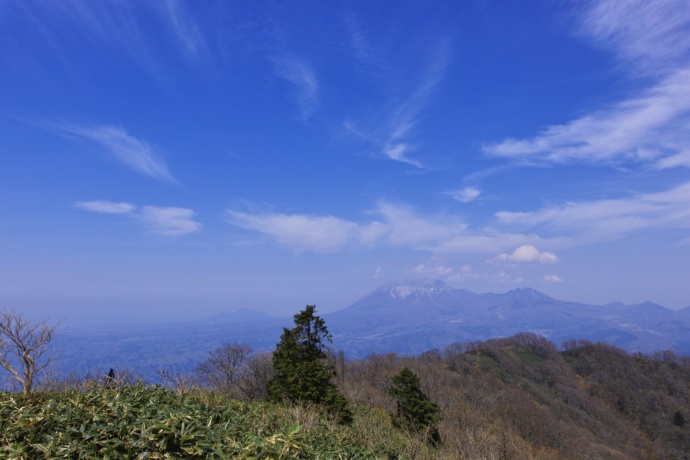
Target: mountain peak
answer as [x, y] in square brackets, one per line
[402, 289]
[527, 295]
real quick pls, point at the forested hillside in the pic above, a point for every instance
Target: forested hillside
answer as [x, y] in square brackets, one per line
[512, 398]
[520, 397]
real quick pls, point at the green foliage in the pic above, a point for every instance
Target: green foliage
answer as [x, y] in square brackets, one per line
[301, 374]
[147, 422]
[415, 411]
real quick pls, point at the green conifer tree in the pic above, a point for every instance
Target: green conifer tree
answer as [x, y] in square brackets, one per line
[301, 374]
[415, 411]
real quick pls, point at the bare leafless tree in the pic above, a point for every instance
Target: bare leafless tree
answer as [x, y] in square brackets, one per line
[24, 350]
[224, 366]
[254, 381]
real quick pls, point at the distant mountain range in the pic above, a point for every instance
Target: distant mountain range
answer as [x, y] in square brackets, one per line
[413, 316]
[407, 317]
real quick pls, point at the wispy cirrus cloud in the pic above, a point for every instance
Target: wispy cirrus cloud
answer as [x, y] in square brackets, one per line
[651, 39]
[118, 28]
[393, 130]
[604, 220]
[184, 28]
[303, 78]
[369, 56]
[649, 35]
[137, 154]
[647, 128]
[167, 221]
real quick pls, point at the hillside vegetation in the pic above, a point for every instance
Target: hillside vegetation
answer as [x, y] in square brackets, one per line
[513, 398]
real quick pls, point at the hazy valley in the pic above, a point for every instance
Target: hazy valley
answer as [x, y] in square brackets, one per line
[403, 317]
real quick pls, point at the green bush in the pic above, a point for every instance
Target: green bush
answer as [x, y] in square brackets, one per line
[150, 422]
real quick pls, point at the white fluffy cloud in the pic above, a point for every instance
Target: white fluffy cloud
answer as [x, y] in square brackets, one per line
[566, 225]
[528, 254]
[394, 225]
[303, 232]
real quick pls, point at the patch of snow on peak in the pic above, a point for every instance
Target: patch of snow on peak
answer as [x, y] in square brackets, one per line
[400, 291]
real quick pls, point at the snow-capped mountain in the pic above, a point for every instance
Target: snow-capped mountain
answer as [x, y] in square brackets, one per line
[414, 316]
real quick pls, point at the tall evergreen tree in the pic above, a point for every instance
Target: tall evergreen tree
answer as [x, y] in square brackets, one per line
[415, 411]
[301, 374]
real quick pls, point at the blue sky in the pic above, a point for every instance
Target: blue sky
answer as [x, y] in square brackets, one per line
[172, 159]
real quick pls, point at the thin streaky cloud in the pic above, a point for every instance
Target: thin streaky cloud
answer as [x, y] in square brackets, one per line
[302, 77]
[648, 127]
[106, 207]
[135, 153]
[652, 35]
[116, 28]
[368, 57]
[605, 220]
[184, 28]
[398, 152]
[674, 161]
[167, 221]
[394, 135]
[405, 116]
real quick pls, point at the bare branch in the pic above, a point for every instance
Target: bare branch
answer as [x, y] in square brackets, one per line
[24, 350]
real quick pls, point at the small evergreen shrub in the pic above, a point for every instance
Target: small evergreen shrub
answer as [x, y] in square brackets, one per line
[415, 411]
